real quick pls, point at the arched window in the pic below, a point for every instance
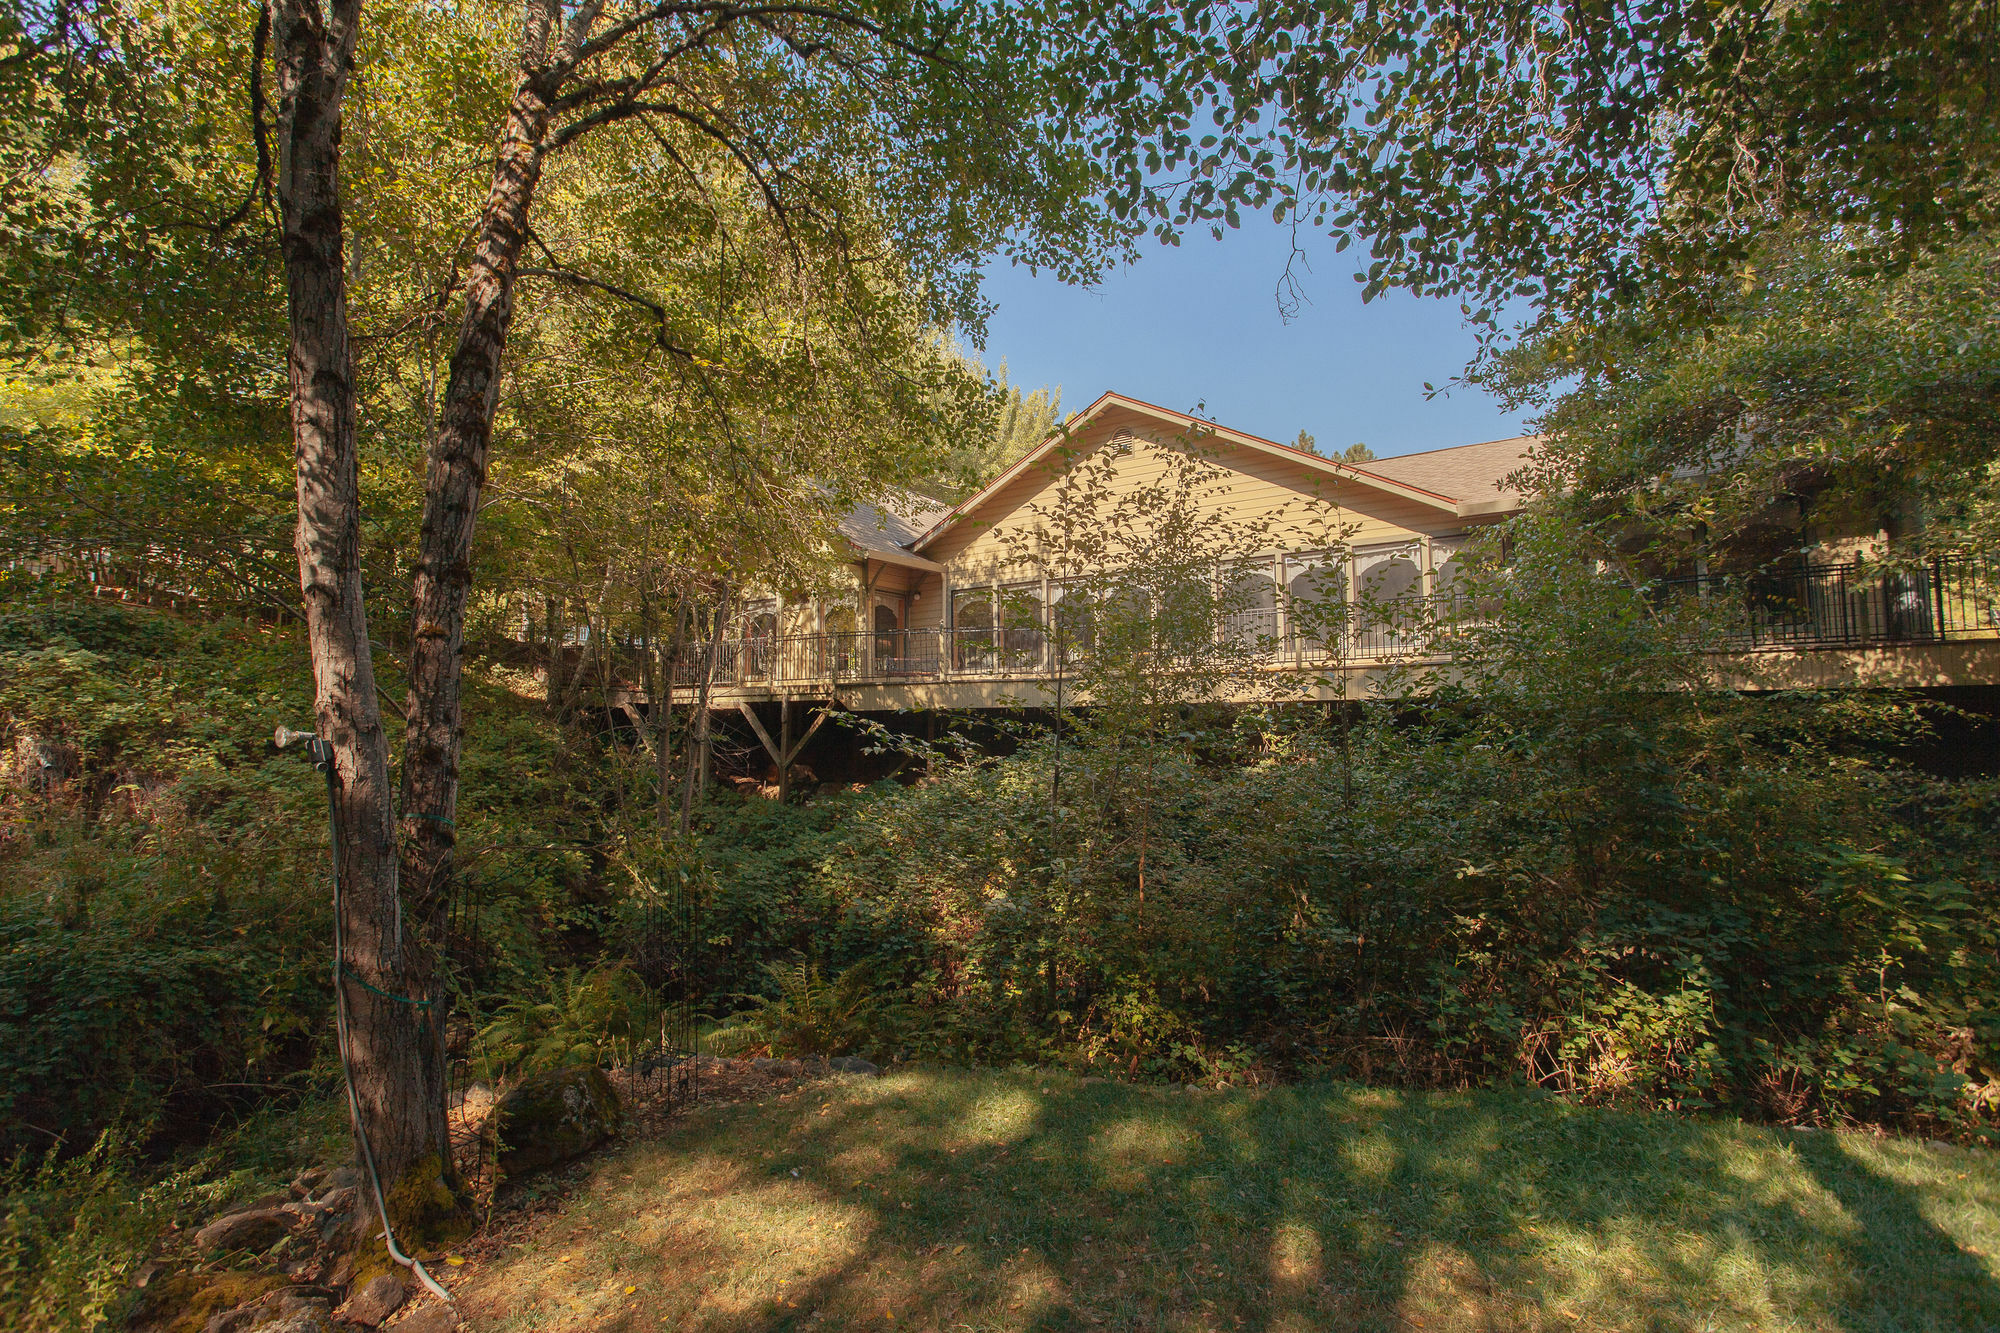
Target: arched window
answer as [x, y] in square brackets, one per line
[1249, 606]
[972, 629]
[760, 640]
[1073, 621]
[1446, 570]
[1449, 584]
[1125, 620]
[843, 644]
[1317, 603]
[1021, 633]
[1459, 580]
[1388, 607]
[1388, 580]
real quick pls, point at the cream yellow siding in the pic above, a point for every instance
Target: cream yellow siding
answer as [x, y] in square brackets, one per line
[1296, 499]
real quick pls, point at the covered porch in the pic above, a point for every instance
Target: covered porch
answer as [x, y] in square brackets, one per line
[1831, 611]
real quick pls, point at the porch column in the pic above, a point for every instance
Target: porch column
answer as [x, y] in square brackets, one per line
[947, 635]
[1048, 620]
[1280, 606]
[1350, 630]
[864, 620]
[822, 658]
[777, 671]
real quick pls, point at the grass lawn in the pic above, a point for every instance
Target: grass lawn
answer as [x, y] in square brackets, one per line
[1036, 1201]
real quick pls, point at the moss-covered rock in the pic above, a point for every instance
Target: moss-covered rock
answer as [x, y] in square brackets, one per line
[185, 1302]
[425, 1207]
[552, 1117]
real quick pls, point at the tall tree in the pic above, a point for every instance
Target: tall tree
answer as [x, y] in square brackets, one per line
[857, 126]
[887, 151]
[394, 1034]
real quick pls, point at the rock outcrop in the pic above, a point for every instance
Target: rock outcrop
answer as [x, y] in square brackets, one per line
[382, 1297]
[254, 1230]
[552, 1117]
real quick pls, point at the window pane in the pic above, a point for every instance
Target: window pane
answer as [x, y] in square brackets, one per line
[1318, 603]
[1446, 570]
[1386, 580]
[1074, 620]
[972, 629]
[1249, 606]
[1124, 620]
[972, 609]
[1021, 634]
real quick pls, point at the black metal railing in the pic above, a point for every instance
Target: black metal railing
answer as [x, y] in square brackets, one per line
[1850, 605]
[1808, 606]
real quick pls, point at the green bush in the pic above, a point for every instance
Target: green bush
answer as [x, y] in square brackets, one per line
[1575, 863]
[1431, 904]
[171, 1010]
[75, 1227]
[74, 1231]
[162, 941]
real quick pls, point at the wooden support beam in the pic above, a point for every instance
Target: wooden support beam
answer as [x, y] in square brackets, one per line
[818, 718]
[770, 746]
[787, 754]
[785, 748]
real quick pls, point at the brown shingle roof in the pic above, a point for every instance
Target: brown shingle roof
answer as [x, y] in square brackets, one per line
[1465, 472]
[877, 527]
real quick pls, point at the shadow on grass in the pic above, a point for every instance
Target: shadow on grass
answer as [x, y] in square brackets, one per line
[1027, 1202]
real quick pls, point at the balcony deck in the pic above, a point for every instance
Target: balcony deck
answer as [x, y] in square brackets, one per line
[1831, 626]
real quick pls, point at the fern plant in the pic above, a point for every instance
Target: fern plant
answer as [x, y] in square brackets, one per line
[809, 1014]
[598, 1017]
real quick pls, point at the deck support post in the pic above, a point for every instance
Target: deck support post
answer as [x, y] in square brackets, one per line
[784, 753]
[785, 749]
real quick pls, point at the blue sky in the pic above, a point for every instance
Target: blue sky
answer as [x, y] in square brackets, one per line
[1200, 324]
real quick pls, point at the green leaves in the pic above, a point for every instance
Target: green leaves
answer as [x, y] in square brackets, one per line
[1856, 397]
[808, 1015]
[584, 1018]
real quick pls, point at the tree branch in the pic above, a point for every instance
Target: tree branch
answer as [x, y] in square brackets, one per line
[259, 43]
[575, 279]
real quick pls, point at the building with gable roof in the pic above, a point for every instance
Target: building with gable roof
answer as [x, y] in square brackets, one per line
[946, 613]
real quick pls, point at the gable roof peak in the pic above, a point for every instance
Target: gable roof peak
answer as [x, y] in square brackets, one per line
[1450, 488]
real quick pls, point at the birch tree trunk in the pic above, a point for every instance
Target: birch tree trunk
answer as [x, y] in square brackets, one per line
[433, 712]
[313, 56]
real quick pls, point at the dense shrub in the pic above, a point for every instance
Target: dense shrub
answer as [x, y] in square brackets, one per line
[75, 1227]
[763, 900]
[1577, 875]
[161, 950]
[168, 1010]
[1786, 935]
[164, 924]
[1572, 858]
